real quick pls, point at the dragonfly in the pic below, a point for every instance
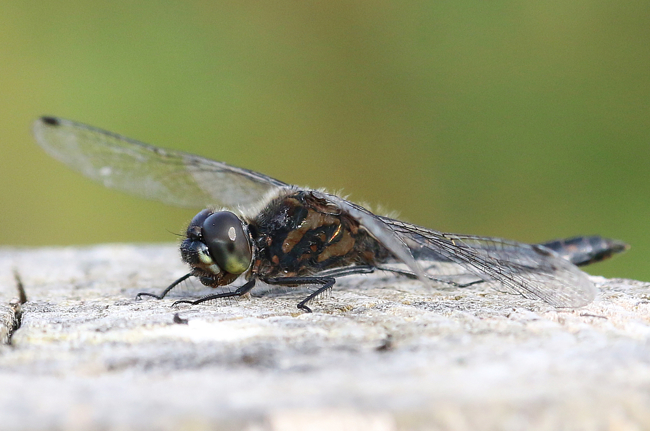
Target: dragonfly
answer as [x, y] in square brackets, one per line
[254, 228]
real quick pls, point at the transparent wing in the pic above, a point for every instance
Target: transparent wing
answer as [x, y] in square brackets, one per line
[381, 231]
[172, 177]
[532, 271]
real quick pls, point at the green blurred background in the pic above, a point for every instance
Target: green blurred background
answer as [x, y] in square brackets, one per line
[525, 120]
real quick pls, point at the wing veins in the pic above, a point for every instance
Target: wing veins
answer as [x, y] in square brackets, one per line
[519, 267]
[173, 177]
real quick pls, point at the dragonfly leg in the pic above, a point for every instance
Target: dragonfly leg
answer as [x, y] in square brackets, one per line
[325, 282]
[349, 270]
[241, 290]
[166, 291]
[326, 279]
[471, 283]
[412, 276]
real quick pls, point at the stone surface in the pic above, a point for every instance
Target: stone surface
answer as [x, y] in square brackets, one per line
[378, 353]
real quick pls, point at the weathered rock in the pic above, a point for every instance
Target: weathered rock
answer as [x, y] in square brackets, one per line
[378, 353]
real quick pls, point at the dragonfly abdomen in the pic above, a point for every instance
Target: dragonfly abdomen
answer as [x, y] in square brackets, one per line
[584, 250]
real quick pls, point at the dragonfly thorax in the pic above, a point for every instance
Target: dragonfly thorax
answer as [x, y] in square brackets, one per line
[217, 247]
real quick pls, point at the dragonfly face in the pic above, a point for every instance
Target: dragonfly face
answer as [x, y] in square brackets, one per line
[299, 236]
[218, 247]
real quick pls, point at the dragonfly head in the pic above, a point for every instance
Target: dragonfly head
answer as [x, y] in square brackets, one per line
[217, 247]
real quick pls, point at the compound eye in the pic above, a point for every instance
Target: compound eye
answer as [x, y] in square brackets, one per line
[229, 246]
[194, 229]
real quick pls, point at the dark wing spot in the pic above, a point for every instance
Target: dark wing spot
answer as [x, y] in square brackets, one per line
[50, 120]
[541, 250]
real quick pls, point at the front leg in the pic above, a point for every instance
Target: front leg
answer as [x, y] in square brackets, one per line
[166, 291]
[241, 290]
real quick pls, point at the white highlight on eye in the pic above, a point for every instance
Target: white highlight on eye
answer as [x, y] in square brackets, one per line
[232, 234]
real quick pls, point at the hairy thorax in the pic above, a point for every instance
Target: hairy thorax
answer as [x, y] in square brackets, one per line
[299, 234]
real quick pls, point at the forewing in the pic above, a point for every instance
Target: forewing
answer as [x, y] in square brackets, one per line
[172, 177]
[533, 271]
